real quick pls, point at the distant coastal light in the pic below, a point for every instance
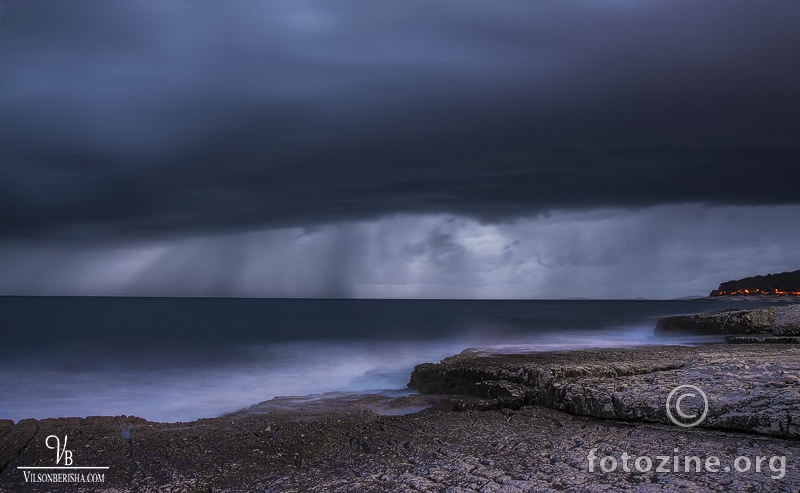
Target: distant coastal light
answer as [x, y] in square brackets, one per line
[783, 284]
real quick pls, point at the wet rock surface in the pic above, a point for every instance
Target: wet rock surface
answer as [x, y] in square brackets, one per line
[491, 440]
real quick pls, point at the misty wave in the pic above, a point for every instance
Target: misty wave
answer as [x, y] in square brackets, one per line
[163, 391]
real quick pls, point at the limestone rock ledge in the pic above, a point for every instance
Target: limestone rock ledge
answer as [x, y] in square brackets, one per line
[780, 320]
[751, 388]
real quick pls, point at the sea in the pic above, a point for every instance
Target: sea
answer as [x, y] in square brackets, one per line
[180, 359]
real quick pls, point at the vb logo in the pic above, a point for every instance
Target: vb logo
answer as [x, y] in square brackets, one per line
[61, 452]
[64, 462]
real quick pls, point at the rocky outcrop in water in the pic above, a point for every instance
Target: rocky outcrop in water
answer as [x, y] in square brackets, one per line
[782, 320]
[721, 322]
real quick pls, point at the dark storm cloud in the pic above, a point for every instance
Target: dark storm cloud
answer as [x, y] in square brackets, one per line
[153, 117]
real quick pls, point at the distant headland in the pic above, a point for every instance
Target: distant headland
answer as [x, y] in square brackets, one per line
[783, 284]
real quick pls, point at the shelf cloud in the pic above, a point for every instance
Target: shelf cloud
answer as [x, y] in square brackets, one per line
[138, 131]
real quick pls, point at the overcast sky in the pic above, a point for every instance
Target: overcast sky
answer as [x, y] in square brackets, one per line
[397, 149]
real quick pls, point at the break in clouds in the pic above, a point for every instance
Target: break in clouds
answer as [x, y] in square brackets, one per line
[659, 252]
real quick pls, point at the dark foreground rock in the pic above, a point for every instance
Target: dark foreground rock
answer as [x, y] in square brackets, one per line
[533, 449]
[461, 444]
[753, 388]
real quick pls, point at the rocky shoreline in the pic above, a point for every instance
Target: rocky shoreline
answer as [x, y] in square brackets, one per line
[771, 324]
[513, 423]
[482, 422]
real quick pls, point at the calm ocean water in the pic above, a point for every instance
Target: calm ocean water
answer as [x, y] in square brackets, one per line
[179, 359]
